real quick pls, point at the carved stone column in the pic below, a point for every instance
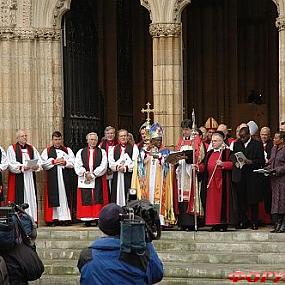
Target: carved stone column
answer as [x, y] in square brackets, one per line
[30, 75]
[280, 24]
[167, 79]
[167, 64]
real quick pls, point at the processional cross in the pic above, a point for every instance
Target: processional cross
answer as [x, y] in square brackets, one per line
[147, 111]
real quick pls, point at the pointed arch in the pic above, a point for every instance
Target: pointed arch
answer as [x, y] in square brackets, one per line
[48, 13]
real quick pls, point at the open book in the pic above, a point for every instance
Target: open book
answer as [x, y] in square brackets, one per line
[174, 157]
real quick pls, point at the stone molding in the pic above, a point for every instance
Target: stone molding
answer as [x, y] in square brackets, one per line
[178, 8]
[30, 34]
[165, 29]
[60, 7]
[280, 24]
[165, 11]
[27, 13]
[8, 12]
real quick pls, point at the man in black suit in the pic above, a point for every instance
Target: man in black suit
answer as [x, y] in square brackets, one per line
[246, 183]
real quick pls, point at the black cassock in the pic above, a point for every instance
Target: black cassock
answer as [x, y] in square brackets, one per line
[246, 183]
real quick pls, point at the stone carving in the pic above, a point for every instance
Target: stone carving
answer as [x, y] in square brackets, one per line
[8, 13]
[146, 4]
[27, 13]
[60, 6]
[280, 23]
[165, 30]
[30, 34]
[178, 8]
[165, 11]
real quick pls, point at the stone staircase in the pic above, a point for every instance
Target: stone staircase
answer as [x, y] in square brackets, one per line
[188, 257]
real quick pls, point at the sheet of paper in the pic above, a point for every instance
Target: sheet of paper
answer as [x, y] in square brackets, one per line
[262, 171]
[240, 159]
[32, 162]
[82, 183]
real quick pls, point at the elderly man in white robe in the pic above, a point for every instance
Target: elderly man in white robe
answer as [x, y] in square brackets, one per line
[121, 161]
[24, 160]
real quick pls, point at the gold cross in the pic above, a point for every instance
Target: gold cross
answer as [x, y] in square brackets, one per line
[147, 111]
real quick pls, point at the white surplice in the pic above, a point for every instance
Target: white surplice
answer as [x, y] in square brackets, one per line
[100, 170]
[29, 187]
[129, 162]
[61, 213]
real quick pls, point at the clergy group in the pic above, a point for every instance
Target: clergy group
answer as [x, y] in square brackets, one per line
[209, 179]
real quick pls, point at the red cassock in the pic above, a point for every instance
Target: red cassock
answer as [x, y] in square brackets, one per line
[92, 211]
[214, 193]
[91, 201]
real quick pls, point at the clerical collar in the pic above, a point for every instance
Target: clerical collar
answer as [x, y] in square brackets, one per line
[217, 149]
[23, 146]
[110, 143]
[123, 145]
[246, 144]
[187, 138]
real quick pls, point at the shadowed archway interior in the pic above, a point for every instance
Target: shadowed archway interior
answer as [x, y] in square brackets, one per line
[230, 50]
[107, 59]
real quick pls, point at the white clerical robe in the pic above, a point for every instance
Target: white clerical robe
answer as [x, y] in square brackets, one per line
[98, 171]
[29, 187]
[61, 213]
[127, 161]
[4, 160]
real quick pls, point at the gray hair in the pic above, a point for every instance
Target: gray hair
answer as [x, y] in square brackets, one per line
[91, 134]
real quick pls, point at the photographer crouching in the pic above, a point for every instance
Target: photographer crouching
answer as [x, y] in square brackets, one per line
[124, 256]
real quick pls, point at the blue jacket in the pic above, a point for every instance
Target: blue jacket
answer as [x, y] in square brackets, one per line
[105, 268]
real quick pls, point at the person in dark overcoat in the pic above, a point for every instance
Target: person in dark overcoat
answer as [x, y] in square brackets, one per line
[247, 183]
[277, 168]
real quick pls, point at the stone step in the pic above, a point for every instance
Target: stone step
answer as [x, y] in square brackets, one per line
[187, 256]
[215, 271]
[80, 233]
[74, 280]
[174, 269]
[182, 246]
[202, 281]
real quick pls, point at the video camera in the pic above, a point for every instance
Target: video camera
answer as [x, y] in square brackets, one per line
[139, 224]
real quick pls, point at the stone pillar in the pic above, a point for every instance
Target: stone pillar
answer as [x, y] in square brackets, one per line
[30, 75]
[31, 72]
[167, 79]
[167, 64]
[280, 24]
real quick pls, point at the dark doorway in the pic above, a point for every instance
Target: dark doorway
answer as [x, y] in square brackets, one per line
[230, 56]
[107, 59]
[83, 101]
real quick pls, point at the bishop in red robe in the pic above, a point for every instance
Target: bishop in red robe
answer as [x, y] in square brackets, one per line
[217, 197]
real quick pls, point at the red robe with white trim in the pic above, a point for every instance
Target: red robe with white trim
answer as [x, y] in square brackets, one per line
[91, 201]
